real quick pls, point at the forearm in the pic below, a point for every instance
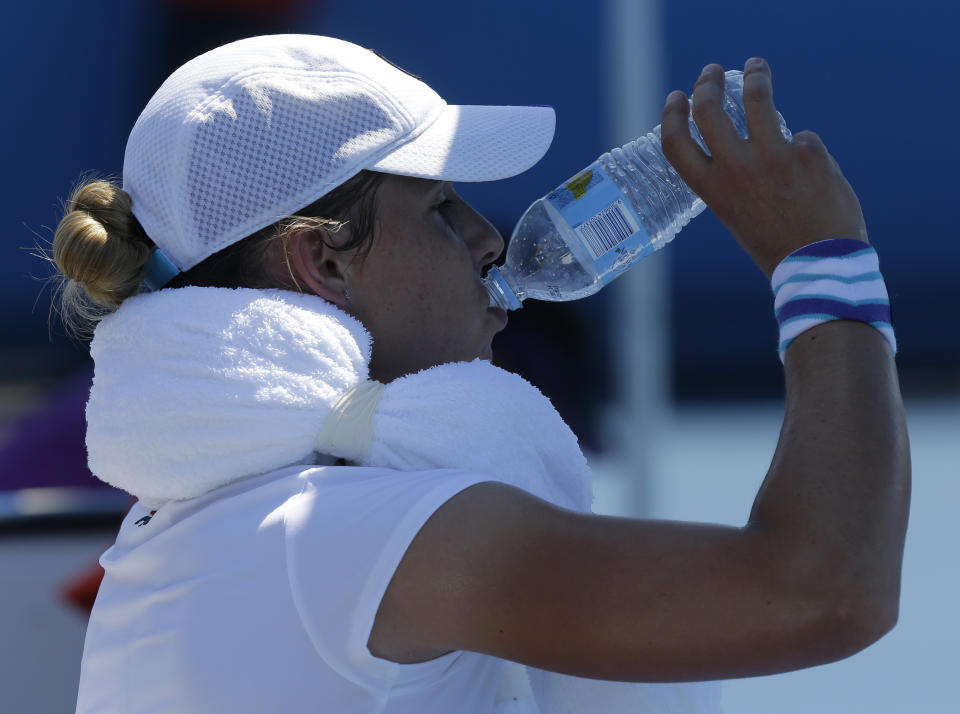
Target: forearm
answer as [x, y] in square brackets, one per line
[837, 494]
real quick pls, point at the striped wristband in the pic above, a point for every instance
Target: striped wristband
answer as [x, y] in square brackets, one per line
[836, 279]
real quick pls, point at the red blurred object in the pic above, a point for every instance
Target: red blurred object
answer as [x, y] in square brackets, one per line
[80, 591]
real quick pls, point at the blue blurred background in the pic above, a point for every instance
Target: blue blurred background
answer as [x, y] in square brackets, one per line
[875, 80]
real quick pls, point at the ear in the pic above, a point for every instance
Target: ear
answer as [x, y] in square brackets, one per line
[316, 267]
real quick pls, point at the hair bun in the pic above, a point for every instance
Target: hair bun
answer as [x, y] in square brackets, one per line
[99, 243]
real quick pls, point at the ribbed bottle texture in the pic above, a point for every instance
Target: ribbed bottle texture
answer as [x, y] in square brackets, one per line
[627, 204]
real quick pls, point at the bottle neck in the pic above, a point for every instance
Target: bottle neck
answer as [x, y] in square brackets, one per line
[501, 292]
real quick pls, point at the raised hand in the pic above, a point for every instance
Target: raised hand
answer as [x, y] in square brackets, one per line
[773, 195]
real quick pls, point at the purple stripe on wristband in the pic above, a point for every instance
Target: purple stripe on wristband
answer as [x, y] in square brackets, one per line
[870, 312]
[832, 248]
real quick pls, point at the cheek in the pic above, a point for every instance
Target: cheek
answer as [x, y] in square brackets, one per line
[437, 309]
[423, 295]
[423, 283]
[440, 286]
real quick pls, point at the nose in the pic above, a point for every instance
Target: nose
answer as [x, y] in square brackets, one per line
[484, 241]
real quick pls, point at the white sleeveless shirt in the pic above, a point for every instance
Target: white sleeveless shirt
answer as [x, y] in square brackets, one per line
[260, 596]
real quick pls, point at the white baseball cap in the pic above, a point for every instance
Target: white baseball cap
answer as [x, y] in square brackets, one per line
[253, 131]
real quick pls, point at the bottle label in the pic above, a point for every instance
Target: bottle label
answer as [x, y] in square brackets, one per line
[594, 208]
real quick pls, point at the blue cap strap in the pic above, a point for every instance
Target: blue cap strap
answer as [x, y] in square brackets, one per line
[160, 270]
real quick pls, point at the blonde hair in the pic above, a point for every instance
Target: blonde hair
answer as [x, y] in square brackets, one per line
[101, 252]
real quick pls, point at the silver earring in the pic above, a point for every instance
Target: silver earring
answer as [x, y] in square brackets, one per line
[346, 295]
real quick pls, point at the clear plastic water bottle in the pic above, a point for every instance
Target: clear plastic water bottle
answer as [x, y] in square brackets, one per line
[624, 206]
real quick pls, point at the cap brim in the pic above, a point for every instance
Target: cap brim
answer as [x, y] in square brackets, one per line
[475, 143]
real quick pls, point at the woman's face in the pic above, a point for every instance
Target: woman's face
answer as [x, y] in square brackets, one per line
[418, 291]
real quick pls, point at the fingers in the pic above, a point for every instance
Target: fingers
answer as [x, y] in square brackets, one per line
[715, 126]
[763, 124]
[775, 196]
[678, 146]
[809, 150]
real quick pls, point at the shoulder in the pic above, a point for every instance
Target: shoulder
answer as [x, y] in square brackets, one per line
[376, 506]
[346, 532]
[384, 485]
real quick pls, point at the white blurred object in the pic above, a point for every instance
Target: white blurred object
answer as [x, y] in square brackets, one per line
[639, 307]
[42, 635]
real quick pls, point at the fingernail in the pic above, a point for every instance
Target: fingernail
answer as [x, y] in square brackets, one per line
[754, 63]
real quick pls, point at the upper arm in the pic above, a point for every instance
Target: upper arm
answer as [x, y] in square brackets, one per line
[499, 571]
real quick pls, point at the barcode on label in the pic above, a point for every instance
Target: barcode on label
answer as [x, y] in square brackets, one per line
[608, 229]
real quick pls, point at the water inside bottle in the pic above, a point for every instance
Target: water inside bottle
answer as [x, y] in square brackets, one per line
[603, 220]
[561, 251]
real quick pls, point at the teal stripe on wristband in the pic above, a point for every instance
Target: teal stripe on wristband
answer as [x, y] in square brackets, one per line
[836, 279]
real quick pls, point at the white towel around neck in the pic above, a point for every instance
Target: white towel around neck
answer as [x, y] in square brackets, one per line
[196, 388]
